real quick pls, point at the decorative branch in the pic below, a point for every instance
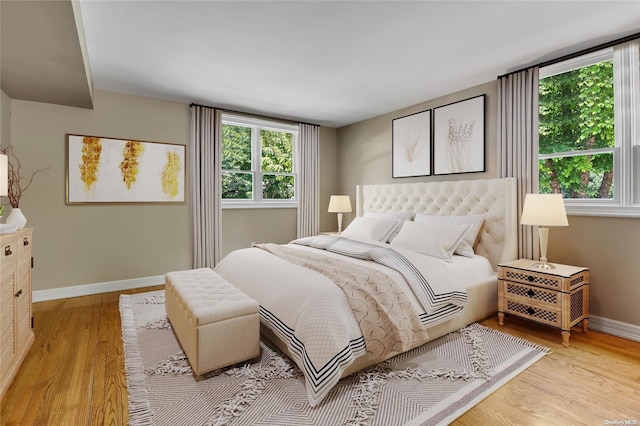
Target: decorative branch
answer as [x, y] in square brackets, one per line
[17, 183]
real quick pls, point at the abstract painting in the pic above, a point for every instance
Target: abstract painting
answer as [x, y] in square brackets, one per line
[411, 145]
[459, 137]
[109, 170]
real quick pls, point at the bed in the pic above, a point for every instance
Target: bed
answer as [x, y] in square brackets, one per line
[317, 294]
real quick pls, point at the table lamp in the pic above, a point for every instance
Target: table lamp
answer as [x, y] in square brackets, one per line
[339, 204]
[544, 210]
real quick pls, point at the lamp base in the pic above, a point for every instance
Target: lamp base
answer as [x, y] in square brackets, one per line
[543, 264]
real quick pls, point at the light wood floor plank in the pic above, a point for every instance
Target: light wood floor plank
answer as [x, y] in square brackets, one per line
[74, 373]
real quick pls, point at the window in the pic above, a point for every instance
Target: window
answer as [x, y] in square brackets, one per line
[587, 134]
[258, 163]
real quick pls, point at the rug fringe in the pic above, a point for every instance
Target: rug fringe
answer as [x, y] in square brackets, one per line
[140, 412]
[512, 338]
[256, 379]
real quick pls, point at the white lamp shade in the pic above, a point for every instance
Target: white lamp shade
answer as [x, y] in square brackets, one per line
[544, 210]
[339, 204]
[4, 175]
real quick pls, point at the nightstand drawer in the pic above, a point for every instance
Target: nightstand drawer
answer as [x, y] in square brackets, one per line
[539, 314]
[528, 294]
[545, 279]
[546, 306]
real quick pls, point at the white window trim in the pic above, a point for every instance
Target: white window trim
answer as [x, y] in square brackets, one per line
[626, 202]
[258, 202]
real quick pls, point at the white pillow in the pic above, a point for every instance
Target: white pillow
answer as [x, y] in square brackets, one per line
[369, 228]
[435, 239]
[465, 248]
[399, 216]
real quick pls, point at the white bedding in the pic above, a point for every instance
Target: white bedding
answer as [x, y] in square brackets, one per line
[296, 301]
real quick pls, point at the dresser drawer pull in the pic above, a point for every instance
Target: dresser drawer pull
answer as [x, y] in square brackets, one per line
[531, 293]
[531, 278]
[19, 293]
[531, 311]
[25, 242]
[7, 251]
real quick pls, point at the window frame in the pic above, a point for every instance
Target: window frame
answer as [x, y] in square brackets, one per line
[257, 124]
[626, 152]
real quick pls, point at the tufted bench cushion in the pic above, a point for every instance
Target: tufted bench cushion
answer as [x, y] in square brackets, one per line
[216, 324]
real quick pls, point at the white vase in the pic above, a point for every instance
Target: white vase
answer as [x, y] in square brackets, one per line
[17, 218]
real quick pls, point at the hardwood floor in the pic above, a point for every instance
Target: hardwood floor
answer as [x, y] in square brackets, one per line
[74, 374]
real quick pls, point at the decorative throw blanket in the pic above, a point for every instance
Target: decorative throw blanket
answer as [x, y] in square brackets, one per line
[386, 317]
[437, 298]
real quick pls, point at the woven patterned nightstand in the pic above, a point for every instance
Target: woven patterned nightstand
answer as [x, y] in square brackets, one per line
[557, 297]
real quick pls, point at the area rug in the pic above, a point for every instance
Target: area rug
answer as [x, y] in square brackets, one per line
[431, 385]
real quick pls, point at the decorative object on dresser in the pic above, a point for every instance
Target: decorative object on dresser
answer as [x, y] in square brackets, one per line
[16, 327]
[16, 186]
[557, 297]
[339, 204]
[544, 210]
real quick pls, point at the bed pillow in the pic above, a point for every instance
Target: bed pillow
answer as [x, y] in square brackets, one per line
[434, 239]
[466, 246]
[369, 228]
[399, 216]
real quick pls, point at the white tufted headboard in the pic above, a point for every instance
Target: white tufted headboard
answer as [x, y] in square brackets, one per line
[495, 198]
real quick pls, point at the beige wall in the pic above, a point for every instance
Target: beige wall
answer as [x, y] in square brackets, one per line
[610, 247]
[88, 244]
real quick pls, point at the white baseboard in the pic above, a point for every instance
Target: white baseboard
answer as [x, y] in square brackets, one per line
[88, 289]
[616, 328]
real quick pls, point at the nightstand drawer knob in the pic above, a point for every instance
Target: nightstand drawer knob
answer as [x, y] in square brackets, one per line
[531, 293]
[531, 311]
[531, 278]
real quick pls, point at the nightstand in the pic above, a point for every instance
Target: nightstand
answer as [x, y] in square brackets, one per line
[329, 233]
[557, 297]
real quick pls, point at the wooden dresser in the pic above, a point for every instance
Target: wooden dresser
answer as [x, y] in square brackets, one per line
[16, 328]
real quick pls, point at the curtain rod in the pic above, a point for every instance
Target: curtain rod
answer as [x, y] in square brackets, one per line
[576, 54]
[264, 117]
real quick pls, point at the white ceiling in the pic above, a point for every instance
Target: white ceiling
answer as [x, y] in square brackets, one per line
[331, 62]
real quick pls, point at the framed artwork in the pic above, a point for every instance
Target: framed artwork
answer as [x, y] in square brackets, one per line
[109, 170]
[411, 145]
[459, 137]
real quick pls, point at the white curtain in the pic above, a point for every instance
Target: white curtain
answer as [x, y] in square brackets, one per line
[626, 63]
[205, 162]
[518, 144]
[308, 180]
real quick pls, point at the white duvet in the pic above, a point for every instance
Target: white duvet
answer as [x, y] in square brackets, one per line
[312, 315]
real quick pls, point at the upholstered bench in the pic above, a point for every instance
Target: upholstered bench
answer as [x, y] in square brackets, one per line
[217, 325]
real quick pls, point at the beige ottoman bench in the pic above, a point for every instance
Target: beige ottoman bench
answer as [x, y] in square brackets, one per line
[217, 325]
